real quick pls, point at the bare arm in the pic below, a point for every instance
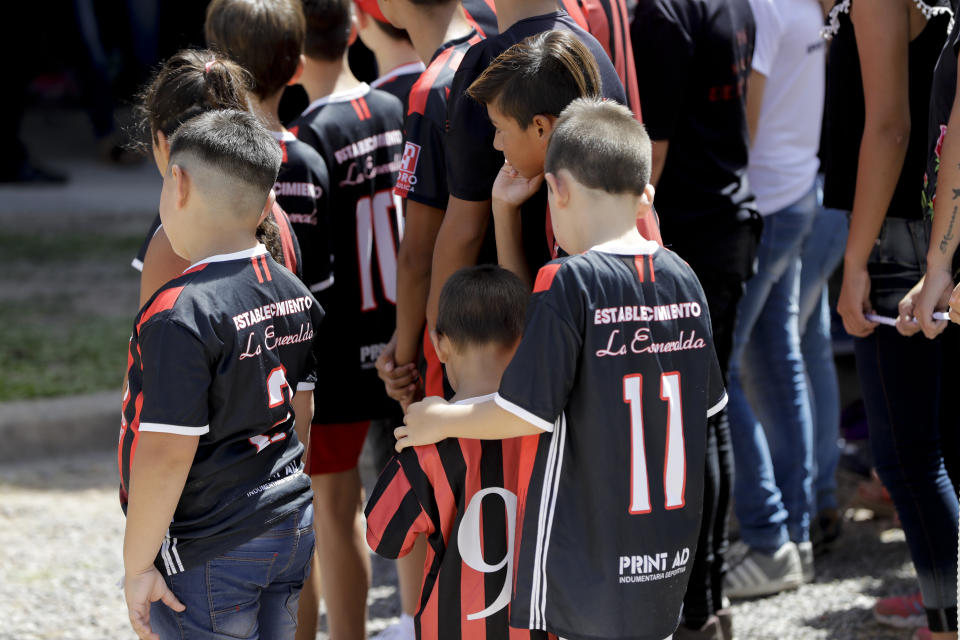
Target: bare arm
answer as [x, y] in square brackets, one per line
[458, 245]
[414, 266]
[660, 148]
[945, 234]
[160, 266]
[303, 416]
[157, 475]
[433, 420]
[883, 36]
[756, 83]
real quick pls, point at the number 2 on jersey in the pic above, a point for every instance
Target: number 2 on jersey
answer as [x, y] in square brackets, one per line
[675, 460]
[375, 228]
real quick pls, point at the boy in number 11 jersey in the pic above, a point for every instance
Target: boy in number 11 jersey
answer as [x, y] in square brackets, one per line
[617, 372]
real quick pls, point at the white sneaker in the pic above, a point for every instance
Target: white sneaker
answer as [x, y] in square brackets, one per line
[399, 630]
[761, 574]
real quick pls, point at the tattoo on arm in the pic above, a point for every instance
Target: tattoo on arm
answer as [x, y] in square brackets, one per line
[945, 242]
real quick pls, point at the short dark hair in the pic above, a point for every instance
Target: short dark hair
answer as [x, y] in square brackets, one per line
[540, 75]
[328, 28]
[264, 36]
[189, 83]
[233, 143]
[482, 304]
[603, 145]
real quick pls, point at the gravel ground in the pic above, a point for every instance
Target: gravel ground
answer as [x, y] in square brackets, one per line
[60, 559]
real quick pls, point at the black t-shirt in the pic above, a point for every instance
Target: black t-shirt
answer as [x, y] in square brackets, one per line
[399, 82]
[941, 103]
[472, 171]
[218, 353]
[359, 136]
[617, 366]
[482, 14]
[844, 117]
[695, 58]
[423, 172]
[302, 188]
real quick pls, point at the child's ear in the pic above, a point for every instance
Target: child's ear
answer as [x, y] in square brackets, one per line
[443, 348]
[559, 188]
[295, 78]
[181, 180]
[543, 125]
[645, 202]
[268, 207]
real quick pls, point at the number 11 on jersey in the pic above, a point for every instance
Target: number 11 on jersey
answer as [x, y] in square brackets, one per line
[675, 459]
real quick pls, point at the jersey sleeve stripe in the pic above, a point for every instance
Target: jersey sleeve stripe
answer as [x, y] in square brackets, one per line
[179, 430]
[421, 90]
[522, 413]
[164, 300]
[306, 386]
[137, 264]
[323, 284]
[717, 408]
[545, 277]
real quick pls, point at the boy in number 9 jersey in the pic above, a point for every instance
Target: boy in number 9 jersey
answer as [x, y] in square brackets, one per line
[618, 373]
[461, 494]
[220, 365]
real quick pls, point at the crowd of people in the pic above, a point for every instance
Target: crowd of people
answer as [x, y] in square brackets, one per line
[564, 264]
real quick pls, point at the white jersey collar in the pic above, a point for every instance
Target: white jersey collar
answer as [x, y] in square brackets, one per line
[621, 248]
[476, 399]
[246, 254]
[342, 96]
[402, 70]
[283, 136]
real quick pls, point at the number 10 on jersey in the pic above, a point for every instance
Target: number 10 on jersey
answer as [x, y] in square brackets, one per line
[675, 459]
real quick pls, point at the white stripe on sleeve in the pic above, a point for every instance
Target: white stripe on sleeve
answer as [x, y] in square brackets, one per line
[522, 413]
[175, 429]
[717, 408]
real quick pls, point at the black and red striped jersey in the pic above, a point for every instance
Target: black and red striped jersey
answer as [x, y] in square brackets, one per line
[423, 171]
[462, 495]
[609, 22]
[302, 187]
[218, 353]
[399, 81]
[358, 133]
[617, 366]
[288, 249]
[482, 15]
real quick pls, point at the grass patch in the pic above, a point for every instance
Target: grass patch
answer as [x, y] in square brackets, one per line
[54, 352]
[68, 246]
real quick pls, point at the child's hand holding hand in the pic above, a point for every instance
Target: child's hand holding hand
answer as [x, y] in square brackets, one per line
[423, 422]
[142, 589]
[511, 189]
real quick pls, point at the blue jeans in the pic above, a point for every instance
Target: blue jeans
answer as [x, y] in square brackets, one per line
[822, 252]
[249, 592]
[772, 432]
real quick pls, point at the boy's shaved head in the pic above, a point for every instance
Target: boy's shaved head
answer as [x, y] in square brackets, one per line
[263, 36]
[540, 75]
[328, 28]
[602, 145]
[231, 155]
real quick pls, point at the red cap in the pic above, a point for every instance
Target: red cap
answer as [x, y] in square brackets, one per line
[370, 7]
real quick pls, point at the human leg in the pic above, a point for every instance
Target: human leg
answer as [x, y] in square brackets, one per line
[341, 544]
[899, 377]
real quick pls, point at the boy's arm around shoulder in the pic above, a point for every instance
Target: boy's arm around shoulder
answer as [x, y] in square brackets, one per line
[433, 419]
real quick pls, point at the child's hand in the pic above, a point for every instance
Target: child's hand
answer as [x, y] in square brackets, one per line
[400, 382]
[141, 590]
[512, 189]
[423, 420]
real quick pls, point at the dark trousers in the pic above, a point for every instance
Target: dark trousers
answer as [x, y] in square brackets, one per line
[723, 259]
